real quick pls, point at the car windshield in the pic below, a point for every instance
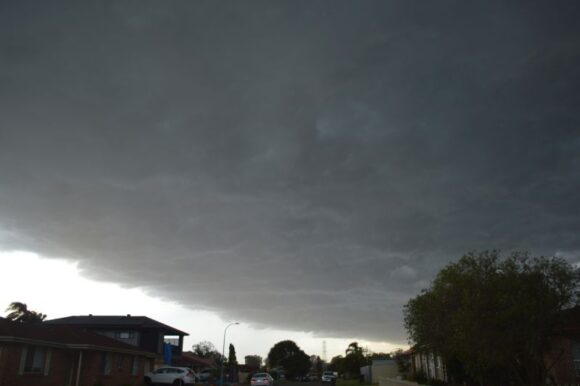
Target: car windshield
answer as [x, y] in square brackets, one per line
[261, 375]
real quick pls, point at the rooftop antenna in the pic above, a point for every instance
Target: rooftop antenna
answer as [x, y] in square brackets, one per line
[324, 350]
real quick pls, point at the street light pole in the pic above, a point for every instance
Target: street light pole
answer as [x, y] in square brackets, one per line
[223, 353]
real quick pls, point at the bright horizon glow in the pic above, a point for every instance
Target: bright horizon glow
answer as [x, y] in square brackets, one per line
[56, 287]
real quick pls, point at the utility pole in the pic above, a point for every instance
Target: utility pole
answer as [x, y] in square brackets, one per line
[223, 352]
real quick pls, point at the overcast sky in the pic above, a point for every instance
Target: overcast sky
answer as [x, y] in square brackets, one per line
[299, 166]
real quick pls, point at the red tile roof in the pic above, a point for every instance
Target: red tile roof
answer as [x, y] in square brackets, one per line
[197, 360]
[67, 336]
[118, 321]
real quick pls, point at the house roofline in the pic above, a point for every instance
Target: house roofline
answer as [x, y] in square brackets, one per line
[97, 323]
[75, 346]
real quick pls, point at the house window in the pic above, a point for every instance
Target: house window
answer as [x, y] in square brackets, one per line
[35, 360]
[172, 340]
[125, 335]
[135, 367]
[106, 363]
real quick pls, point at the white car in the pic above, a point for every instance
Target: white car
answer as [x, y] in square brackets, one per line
[328, 377]
[204, 375]
[178, 376]
[262, 379]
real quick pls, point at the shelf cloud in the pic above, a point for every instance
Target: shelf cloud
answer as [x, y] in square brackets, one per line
[305, 166]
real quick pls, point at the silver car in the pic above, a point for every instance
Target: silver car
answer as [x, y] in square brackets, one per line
[178, 376]
[262, 379]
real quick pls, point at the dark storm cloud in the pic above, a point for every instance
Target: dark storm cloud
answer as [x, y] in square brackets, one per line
[299, 165]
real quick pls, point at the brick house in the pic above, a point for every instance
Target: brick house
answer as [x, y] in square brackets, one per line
[139, 331]
[50, 355]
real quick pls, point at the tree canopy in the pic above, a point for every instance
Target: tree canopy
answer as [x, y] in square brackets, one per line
[354, 348]
[19, 312]
[207, 350]
[494, 315]
[253, 360]
[289, 356]
[204, 349]
[318, 365]
[337, 364]
[354, 359]
[232, 360]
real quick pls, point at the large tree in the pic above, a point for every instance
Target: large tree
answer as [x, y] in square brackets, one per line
[354, 348]
[318, 365]
[207, 350]
[289, 356]
[493, 316]
[354, 359]
[253, 360]
[19, 312]
[337, 364]
[232, 364]
[232, 360]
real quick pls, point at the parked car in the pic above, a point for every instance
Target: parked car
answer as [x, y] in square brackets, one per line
[204, 375]
[328, 377]
[262, 379]
[307, 378]
[177, 376]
